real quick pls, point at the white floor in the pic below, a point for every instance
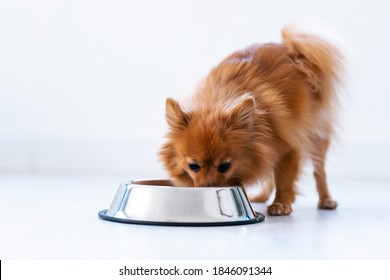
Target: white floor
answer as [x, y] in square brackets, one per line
[47, 217]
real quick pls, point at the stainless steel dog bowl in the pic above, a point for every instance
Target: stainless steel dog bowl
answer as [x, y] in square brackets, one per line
[157, 202]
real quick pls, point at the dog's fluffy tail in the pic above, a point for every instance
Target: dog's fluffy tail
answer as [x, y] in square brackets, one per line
[319, 60]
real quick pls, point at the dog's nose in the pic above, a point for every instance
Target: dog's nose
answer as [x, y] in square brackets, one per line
[204, 183]
[207, 183]
[200, 184]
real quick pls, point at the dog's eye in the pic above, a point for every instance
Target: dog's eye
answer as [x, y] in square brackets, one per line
[194, 167]
[223, 167]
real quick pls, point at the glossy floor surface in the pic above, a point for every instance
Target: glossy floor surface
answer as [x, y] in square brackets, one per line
[47, 217]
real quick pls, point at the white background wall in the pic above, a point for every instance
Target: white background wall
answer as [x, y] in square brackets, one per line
[83, 83]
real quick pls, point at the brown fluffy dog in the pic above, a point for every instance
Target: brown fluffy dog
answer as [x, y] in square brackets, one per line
[256, 117]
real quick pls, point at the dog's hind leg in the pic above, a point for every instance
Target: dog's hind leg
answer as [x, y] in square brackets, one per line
[318, 157]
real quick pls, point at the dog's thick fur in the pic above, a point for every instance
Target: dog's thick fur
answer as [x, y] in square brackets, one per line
[256, 117]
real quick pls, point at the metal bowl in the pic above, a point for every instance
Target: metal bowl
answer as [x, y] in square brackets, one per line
[157, 202]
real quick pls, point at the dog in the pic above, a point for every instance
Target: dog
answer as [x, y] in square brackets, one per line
[257, 117]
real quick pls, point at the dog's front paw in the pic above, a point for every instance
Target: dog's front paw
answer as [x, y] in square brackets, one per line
[279, 209]
[327, 204]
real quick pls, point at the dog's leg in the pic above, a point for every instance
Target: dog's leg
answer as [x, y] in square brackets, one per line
[286, 173]
[319, 155]
[266, 189]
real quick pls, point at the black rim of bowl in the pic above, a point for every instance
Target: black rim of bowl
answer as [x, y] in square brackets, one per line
[259, 218]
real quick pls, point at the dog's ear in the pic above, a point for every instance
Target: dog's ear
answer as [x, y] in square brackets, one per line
[176, 118]
[243, 114]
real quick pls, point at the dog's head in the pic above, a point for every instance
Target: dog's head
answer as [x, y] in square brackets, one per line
[214, 145]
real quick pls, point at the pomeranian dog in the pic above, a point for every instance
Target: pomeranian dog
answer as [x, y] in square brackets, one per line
[256, 117]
